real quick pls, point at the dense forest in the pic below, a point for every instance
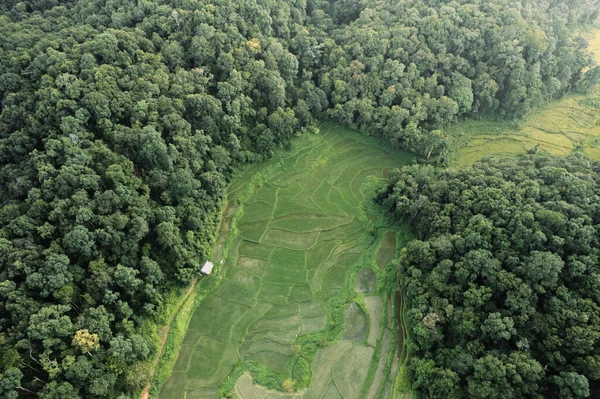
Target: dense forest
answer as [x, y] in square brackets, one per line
[502, 287]
[122, 121]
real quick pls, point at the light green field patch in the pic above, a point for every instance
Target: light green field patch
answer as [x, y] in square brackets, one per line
[307, 203]
[241, 328]
[191, 339]
[183, 360]
[305, 223]
[345, 179]
[310, 184]
[322, 367]
[290, 240]
[379, 378]
[275, 323]
[321, 197]
[374, 306]
[243, 277]
[286, 195]
[312, 309]
[290, 207]
[349, 247]
[246, 389]
[274, 293]
[313, 324]
[255, 266]
[387, 249]
[342, 203]
[288, 258]
[277, 273]
[253, 231]
[267, 195]
[287, 251]
[175, 386]
[203, 365]
[301, 293]
[236, 293]
[208, 325]
[256, 212]
[266, 345]
[283, 337]
[335, 279]
[286, 179]
[344, 232]
[355, 323]
[223, 309]
[366, 281]
[332, 391]
[319, 253]
[349, 378]
[357, 180]
[351, 158]
[255, 250]
[289, 309]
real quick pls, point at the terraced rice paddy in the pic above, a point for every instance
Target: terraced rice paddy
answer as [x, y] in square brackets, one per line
[302, 261]
[559, 127]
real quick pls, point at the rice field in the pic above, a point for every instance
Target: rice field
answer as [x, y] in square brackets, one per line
[560, 127]
[300, 305]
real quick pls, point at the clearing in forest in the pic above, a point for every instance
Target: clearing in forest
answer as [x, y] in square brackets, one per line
[559, 127]
[301, 292]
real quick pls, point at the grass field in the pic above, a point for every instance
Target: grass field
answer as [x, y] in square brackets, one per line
[301, 305]
[559, 127]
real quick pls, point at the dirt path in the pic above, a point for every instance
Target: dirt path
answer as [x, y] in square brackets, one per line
[164, 333]
[401, 325]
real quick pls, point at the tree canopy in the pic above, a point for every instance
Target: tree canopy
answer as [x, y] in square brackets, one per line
[122, 121]
[502, 284]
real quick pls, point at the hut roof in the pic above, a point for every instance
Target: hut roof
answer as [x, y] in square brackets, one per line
[206, 268]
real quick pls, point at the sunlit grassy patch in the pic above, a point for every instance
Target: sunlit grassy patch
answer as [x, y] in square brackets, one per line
[299, 238]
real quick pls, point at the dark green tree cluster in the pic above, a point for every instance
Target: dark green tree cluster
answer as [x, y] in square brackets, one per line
[404, 70]
[119, 127]
[503, 286]
[122, 120]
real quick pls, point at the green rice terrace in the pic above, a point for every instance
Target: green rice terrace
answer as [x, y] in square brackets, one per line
[301, 303]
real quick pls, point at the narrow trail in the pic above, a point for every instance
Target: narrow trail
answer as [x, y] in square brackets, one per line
[164, 333]
[402, 326]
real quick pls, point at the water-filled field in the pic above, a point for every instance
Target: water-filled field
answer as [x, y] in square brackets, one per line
[298, 303]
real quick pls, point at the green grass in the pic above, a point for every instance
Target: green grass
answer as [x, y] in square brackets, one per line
[176, 337]
[387, 249]
[355, 323]
[303, 228]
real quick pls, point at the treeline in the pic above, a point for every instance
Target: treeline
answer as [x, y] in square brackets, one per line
[404, 70]
[121, 122]
[502, 286]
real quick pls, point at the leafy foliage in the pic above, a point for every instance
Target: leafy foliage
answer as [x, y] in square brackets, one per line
[501, 288]
[121, 123]
[405, 70]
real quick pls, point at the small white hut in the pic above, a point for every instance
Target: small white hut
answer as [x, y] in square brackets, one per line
[206, 268]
